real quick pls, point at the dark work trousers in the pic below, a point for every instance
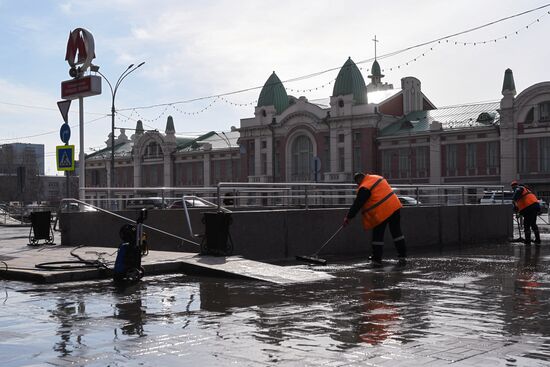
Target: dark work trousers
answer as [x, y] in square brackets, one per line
[530, 222]
[394, 222]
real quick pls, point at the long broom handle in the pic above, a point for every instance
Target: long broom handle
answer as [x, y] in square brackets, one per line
[330, 239]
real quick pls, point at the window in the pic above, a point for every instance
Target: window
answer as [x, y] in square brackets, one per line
[341, 138]
[264, 144]
[493, 154]
[471, 156]
[341, 159]
[277, 158]
[544, 111]
[451, 158]
[263, 160]
[302, 155]
[326, 154]
[544, 154]
[523, 166]
[153, 150]
[386, 163]
[357, 162]
[251, 163]
[422, 160]
[404, 162]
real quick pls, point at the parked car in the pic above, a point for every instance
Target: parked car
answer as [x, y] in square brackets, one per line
[148, 203]
[497, 197]
[543, 206]
[75, 207]
[190, 203]
[408, 201]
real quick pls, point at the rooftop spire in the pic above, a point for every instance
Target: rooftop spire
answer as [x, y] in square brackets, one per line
[508, 86]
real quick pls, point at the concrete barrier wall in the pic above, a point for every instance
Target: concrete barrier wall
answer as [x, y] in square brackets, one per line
[275, 235]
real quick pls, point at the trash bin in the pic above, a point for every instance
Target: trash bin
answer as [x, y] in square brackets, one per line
[217, 239]
[41, 228]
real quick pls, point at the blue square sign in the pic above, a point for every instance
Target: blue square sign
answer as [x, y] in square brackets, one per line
[64, 155]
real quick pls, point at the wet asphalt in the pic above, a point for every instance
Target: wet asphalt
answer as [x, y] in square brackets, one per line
[483, 306]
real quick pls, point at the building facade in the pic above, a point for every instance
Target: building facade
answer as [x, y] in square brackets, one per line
[374, 127]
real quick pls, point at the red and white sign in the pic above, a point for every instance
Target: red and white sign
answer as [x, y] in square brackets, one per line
[80, 49]
[81, 87]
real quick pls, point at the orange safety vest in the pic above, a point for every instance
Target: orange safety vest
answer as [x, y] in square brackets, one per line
[382, 201]
[527, 198]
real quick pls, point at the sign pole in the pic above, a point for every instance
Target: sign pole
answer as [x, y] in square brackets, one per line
[81, 162]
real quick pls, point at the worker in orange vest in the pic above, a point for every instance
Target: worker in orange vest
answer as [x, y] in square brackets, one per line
[527, 205]
[379, 206]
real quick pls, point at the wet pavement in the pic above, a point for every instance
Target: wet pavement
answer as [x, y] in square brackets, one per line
[485, 306]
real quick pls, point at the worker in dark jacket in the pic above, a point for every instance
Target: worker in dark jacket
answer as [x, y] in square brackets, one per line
[527, 205]
[379, 206]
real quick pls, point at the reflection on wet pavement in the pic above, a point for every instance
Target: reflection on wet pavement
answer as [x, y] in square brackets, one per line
[479, 307]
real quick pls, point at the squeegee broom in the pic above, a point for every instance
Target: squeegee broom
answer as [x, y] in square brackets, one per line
[314, 258]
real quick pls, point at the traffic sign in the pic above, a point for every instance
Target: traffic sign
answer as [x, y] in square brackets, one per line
[64, 155]
[65, 133]
[64, 109]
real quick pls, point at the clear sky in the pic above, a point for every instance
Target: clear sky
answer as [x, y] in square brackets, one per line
[195, 49]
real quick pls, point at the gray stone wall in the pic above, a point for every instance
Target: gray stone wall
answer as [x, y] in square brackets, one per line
[278, 235]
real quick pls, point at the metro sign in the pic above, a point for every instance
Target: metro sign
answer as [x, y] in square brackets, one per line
[81, 87]
[80, 49]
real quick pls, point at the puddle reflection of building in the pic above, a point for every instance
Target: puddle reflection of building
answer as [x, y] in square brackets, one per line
[524, 299]
[129, 308]
[68, 312]
[527, 277]
[379, 316]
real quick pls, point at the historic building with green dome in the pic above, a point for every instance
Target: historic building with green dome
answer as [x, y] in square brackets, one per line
[374, 127]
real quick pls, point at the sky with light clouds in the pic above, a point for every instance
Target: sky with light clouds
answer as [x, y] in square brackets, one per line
[195, 49]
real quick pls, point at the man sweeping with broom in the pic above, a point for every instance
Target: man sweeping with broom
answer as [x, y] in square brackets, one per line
[379, 207]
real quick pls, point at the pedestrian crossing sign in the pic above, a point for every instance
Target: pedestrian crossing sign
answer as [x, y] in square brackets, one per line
[64, 155]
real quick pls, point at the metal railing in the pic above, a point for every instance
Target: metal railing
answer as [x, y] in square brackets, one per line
[247, 195]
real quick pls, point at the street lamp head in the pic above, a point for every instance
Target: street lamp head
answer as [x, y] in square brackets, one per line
[143, 62]
[129, 66]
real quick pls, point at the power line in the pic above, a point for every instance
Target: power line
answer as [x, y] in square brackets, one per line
[50, 132]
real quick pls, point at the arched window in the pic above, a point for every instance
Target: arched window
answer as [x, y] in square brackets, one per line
[153, 150]
[302, 156]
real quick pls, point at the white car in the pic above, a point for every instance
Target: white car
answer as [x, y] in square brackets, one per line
[497, 197]
[408, 201]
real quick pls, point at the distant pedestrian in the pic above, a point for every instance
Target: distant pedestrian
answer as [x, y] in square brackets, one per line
[527, 205]
[379, 206]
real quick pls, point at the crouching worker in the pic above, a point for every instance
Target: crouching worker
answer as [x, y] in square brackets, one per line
[128, 260]
[527, 205]
[379, 207]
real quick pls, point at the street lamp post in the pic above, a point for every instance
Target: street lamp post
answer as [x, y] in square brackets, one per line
[131, 68]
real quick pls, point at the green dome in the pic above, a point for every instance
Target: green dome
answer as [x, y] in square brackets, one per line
[375, 70]
[350, 81]
[273, 94]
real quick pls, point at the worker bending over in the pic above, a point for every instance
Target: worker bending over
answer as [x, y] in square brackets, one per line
[379, 206]
[527, 205]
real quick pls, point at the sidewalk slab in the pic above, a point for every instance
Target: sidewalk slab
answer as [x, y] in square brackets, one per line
[20, 262]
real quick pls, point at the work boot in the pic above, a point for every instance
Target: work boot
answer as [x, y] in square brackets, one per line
[401, 248]
[376, 263]
[537, 237]
[401, 262]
